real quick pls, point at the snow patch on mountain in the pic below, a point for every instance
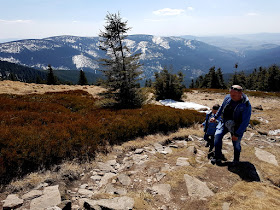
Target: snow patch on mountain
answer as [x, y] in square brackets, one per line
[70, 40]
[11, 48]
[129, 43]
[82, 61]
[161, 42]
[189, 44]
[91, 52]
[10, 59]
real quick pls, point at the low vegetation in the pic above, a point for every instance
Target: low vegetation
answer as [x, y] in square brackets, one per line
[38, 131]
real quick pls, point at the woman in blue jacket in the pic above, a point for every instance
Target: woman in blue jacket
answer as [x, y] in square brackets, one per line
[236, 113]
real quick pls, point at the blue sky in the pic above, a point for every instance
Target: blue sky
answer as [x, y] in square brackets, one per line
[44, 18]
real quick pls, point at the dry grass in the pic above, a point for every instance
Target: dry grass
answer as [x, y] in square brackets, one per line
[160, 138]
[20, 88]
[248, 195]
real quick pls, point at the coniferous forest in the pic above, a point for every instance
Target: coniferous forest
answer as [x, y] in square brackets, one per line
[261, 79]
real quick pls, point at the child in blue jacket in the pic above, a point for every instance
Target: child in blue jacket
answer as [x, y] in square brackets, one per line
[210, 127]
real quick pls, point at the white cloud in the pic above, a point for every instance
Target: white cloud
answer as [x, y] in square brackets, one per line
[15, 21]
[190, 8]
[168, 12]
[252, 14]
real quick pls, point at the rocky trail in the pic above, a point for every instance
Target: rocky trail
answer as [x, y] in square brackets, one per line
[173, 174]
[163, 172]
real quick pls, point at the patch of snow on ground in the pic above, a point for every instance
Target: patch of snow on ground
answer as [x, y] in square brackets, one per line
[184, 105]
[82, 61]
[160, 41]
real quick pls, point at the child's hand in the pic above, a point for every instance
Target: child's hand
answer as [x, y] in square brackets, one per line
[212, 120]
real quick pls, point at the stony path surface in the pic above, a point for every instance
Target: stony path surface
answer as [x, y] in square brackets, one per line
[174, 174]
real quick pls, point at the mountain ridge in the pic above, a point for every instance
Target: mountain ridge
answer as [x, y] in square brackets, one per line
[190, 56]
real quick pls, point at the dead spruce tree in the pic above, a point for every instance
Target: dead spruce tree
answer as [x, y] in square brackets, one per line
[121, 68]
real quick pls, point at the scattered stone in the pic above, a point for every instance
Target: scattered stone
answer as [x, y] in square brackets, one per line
[259, 107]
[105, 167]
[83, 186]
[262, 132]
[85, 192]
[53, 208]
[111, 162]
[265, 156]
[105, 178]
[158, 147]
[124, 179]
[118, 203]
[167, 150]
[12, 202]
[197, 188]
[191, 151]
[51, 197]
[32, 194]
[181, 161]
[225, 206]
[139, 151]
[174, 146]
[140, 159]
[162, 189]
[114, 190]
[160, 175]
[166, 167]
[96, 178]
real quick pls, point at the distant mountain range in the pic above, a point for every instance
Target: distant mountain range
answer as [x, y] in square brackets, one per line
[191, 55]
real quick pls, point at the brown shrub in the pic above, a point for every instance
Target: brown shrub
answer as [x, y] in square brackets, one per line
[40, 130]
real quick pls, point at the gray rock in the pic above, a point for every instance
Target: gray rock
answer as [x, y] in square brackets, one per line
[266, 156]
[96, 178]
[111, 162]
[159, 176]
[158, 147]
[163, 189]
[181, 161]
[225, 206]
[115, 190]
[152, 171]
[105, 167]
[166, 167]
[32, 194]
[139, 151]
[51, 197]
[118, 203]
[124, 179]
[12, 202]
[191, 151]
[262, 132]
[105, 178]
[140, 159]
[85, 192]
[83, 186]
[259, 107]
[53, 208]
[196, 188]
[167, 150]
